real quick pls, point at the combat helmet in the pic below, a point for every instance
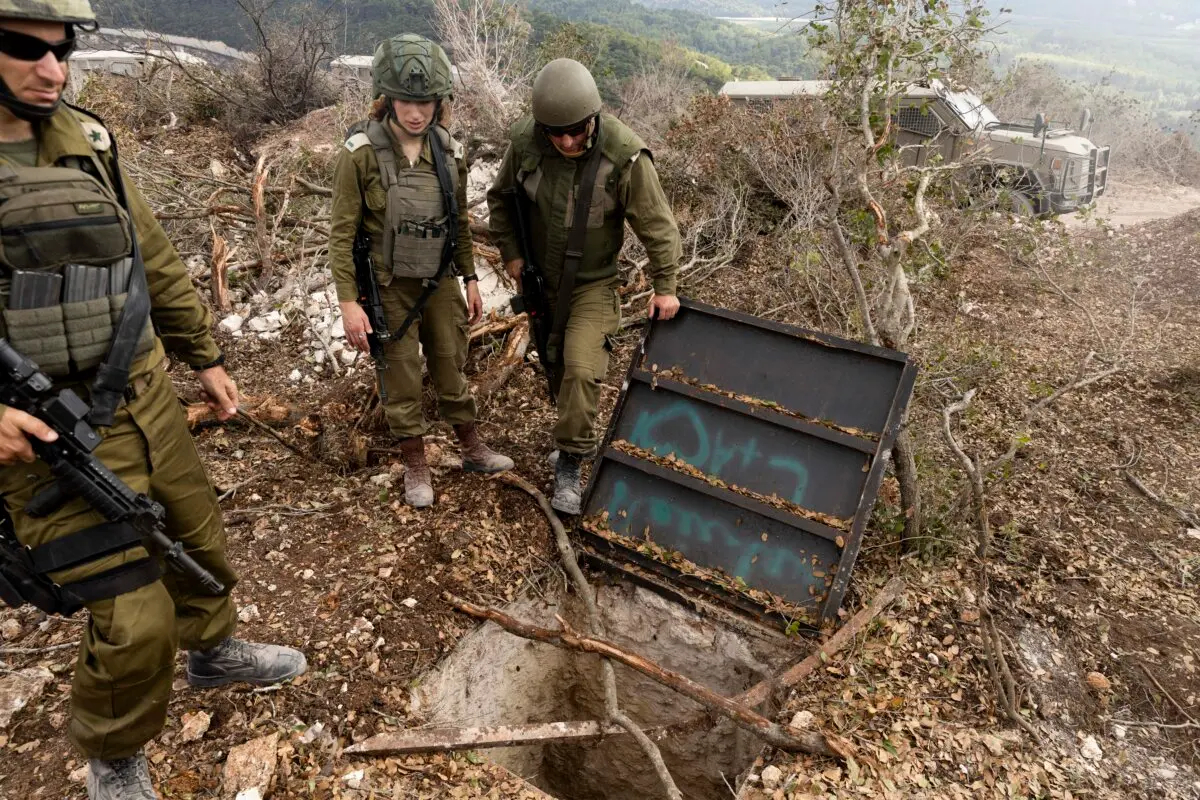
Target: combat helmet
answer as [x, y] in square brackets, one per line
[73, 13]
[564, 94]
[410, 67]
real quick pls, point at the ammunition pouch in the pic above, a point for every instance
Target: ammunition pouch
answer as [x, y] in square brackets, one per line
[24, 571]
[69, 338]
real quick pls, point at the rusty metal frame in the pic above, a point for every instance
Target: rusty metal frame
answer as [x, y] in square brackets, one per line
[876, 447]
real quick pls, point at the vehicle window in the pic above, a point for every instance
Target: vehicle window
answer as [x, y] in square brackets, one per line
[919, 120]
[972, 109]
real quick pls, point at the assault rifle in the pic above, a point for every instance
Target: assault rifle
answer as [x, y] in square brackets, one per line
[80, 474]
[372, 304]
[532, 300]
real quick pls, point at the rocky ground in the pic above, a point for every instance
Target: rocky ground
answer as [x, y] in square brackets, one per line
[1093, 584]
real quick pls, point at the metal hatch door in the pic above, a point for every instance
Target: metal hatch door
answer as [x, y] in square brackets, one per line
[743, 459]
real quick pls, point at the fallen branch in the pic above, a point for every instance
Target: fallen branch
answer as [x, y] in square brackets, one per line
[495, 324]
[611, 702]
[1166, 694]
[266, 408]
[1184, 515]
[771, 732]
[314, 188]
[274, 434]
[440, 740]
[1161, 725]
[33, 651]
[761, 692]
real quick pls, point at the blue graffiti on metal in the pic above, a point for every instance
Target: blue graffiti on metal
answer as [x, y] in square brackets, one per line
[743, 554]
[708, 451]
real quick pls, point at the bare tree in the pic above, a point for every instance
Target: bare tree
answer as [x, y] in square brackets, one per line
[284, 77]
[292, 53]
[875, 49]
[489, 43]
[657, 96]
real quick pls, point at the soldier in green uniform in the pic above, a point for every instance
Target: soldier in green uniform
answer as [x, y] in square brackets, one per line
[566, 144]
[386, 184]
[60, 207]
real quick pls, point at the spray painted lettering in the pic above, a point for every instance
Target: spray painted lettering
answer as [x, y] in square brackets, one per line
[680, 429]
[706, 539]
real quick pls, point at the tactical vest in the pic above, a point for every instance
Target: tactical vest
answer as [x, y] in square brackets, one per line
[415, 223]
[65, 246]
[551, 181]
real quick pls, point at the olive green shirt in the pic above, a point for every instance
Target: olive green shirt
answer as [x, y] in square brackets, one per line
[183, 323]
[642, 202]
[20, 154]
[360, 199]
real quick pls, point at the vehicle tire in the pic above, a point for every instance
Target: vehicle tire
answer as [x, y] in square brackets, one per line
[1021, 204]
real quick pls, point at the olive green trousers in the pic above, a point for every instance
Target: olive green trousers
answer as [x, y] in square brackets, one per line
[442, 331]
[126, 660]
[587, 344]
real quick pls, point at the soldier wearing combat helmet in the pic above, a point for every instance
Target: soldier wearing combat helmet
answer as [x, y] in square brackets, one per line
[386, 186]
[138, 616]
[567, 145]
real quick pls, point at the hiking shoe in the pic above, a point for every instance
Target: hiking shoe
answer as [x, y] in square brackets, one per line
[247, 662]
[120, 779]
[418, 480]
[567, 495]
[477, 456]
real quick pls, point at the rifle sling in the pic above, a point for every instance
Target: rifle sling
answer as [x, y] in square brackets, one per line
[576, 239]
[113, 375]
[450, 204]
[119, 580]
[88, 544]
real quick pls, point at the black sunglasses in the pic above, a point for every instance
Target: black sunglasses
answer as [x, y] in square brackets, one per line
[573, 130]
[23, 47]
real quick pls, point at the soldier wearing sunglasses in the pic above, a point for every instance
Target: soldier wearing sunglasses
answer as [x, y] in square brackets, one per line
[79, 248]
[584, 174]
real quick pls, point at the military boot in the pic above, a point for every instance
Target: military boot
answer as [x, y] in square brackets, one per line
[418, 480]
[120, 779]
[567, 495]
[234, 660]
[477, 456]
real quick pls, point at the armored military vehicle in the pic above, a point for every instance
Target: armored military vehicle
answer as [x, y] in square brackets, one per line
[1034, 168]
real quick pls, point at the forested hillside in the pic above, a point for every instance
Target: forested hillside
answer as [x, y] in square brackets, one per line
[621, 28]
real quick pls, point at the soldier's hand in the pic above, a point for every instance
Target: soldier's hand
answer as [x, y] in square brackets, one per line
[15, 429]
[663, 306]
[474, 302]
[220, 392]
[514, 268]
[356, 326]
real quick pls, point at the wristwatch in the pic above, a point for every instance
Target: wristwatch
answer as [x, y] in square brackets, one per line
[468, 278]
[219, 362]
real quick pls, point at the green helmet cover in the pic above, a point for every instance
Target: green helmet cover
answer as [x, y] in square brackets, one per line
[410, 67]
[77, 12]
[564, 93]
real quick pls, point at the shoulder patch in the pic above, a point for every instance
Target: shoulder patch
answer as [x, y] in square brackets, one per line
[456, 147]
[96, 134]
[356, 141]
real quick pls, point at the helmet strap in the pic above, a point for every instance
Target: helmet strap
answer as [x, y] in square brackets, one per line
[26, 111]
